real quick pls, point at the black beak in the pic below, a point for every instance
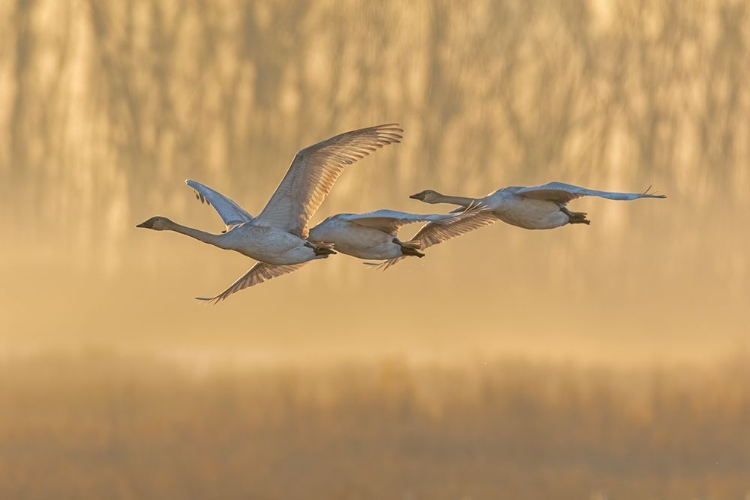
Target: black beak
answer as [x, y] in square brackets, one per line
[418, 196]
[143, 224]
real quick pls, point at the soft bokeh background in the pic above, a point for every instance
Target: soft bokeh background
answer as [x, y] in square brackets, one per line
[605, 361]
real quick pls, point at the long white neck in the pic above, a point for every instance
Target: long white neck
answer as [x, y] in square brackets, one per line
[456, 200]
[212, 239]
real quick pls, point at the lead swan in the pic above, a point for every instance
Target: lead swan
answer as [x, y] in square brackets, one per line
[277, 237]
[534, 207]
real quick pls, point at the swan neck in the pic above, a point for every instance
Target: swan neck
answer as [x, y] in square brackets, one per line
[457, 200]
[210, 238]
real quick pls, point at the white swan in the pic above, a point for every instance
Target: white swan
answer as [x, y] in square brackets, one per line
[535, 207]
[278, 236]
[372, 235]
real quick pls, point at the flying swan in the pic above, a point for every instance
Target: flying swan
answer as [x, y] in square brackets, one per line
[277, 237]
[372, 235]
[535, 207]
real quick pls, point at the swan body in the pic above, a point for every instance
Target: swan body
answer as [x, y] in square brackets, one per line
[535, 207]
[277, 237]
[528, 213]
[270, 245]
[372, 235]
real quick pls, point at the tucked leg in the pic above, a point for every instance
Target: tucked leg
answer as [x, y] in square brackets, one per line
[575, 217]
[409, 248]
[321, 248]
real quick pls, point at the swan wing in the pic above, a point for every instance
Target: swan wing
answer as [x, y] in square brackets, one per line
[314, 171]
[259, 273]
[390, 221]
[560, 192]
[433, 233]
[229, 211]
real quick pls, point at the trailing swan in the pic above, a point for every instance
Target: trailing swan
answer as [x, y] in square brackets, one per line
[535, 207]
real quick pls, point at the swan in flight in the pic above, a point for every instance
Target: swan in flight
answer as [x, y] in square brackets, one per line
[372, 235]
[277, 237]
[535, 207]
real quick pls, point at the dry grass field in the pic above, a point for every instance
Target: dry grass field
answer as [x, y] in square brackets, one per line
[101, 425]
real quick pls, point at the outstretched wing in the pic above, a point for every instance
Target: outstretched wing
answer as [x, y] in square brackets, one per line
[390, 221]
[229, 211]
[434, 234]
[257, 274]
[314, 171]
[562, 193]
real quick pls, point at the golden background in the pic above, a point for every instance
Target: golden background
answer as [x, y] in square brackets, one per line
[605, 361]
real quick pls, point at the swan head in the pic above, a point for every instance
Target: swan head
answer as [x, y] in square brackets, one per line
[157, 223]
[427, 196]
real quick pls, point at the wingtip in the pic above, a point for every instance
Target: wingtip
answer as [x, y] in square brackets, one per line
[650, 193]
[208, 300]
[377, 266]
[394, 129]
[390, 125]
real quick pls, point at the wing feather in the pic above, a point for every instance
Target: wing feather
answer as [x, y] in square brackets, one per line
[433, 234]
[229, 211]
[314, 171]
[390, 221]
[560, 192]
[259, 273]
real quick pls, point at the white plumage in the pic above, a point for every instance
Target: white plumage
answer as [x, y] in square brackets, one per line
[278, 235]
[373, 235]
[535, 207]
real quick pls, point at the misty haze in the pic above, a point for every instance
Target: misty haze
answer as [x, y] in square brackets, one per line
[588, 361]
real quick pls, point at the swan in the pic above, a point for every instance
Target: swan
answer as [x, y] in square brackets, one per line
[372, 235]
[277, 237]
[534, 207]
